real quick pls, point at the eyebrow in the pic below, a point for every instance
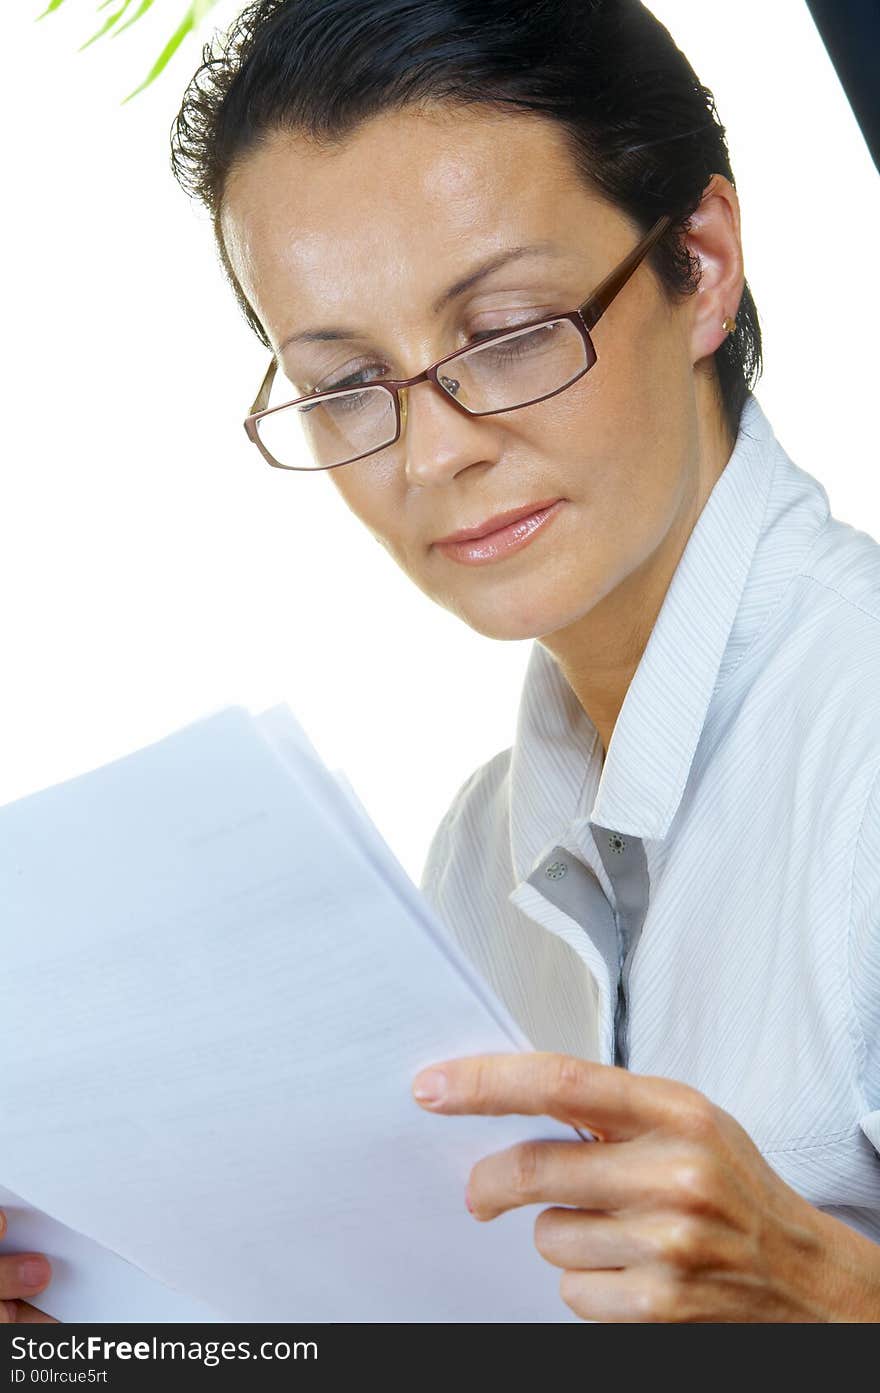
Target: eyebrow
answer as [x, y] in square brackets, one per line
[335, 332]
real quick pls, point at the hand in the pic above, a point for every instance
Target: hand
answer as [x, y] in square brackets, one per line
[675, 1215]
[14, 1309]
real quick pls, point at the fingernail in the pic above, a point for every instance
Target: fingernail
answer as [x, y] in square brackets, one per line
[33, 1272]
[431, 1087]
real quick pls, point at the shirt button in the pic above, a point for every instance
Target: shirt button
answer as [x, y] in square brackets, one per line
[556, 870]
[616, 842]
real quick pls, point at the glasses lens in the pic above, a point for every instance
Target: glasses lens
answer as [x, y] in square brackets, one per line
[516, 369]
[333, 430]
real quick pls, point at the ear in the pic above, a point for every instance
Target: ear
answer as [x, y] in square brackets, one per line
[714, 238]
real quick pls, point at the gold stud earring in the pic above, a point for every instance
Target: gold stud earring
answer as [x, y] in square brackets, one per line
[728, 325]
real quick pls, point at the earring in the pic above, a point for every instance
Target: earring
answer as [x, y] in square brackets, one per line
[728, 325]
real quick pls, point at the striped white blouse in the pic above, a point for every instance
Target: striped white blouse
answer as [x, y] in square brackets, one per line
[705, 905]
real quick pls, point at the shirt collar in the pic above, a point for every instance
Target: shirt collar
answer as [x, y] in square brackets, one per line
[752, 536]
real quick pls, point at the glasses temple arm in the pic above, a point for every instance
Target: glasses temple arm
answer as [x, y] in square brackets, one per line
[261, 401]
[595, 306]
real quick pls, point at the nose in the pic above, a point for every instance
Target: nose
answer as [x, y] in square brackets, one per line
[440, 439]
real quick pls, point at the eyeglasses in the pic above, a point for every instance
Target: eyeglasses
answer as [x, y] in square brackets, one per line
[504, 371]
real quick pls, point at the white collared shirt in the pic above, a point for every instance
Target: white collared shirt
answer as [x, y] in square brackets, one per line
[706, 905]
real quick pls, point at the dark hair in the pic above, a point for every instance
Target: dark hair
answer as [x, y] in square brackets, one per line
[641, 126]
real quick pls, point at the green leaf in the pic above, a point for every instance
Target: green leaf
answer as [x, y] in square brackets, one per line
[108, 24]
[53, 5]
[187, 24]
[141, 10]
[195, 14]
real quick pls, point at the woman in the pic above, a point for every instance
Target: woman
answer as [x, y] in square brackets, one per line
[673, 877]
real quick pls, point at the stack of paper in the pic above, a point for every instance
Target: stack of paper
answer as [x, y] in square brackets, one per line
[218, 986]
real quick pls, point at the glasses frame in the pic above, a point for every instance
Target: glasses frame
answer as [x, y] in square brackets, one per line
[584, 318]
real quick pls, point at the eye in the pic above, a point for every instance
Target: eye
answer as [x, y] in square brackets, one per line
[536, 318]
[368, 373]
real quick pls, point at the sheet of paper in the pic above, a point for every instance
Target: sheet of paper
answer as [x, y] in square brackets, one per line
[219, 1002]
[88, 1278]
[287, 737]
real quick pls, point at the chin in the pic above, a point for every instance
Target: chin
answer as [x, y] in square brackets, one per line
[515, 622]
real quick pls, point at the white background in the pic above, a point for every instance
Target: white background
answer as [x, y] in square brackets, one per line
[153, 570]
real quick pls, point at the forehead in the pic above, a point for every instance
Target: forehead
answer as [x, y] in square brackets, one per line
[396, 206]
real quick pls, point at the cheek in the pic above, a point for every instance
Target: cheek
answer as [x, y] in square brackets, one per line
[637, 496]
[375, 502]
[620, 436]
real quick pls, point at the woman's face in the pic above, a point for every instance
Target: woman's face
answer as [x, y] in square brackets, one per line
[369, 235]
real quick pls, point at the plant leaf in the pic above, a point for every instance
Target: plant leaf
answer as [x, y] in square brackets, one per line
[141, 10]
[196, 12]
[53, 5]
[187, 24]
[108, 24]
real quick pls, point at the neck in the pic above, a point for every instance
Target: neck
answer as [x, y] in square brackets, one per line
[599, 653]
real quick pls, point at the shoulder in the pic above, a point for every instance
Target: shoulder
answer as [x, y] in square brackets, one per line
[846, 563]
[477, 817]
[822, 651]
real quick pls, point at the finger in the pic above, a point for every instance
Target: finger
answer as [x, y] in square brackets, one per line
[8, 1312]
[634, 1294]
[611, 1102]
[576, 1238]
[628, 1175]
[2, 1222]
[23, 1274]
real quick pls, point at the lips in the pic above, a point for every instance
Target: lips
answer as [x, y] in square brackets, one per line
[494, 524]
